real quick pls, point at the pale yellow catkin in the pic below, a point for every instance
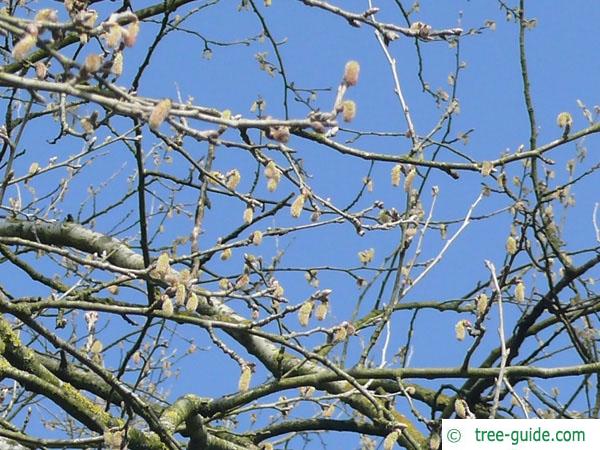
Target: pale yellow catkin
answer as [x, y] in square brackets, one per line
[192, 303]
[304, 313]
[520, 292]
[280, 134]
[180, 294]
[511, 245]
[257, 237]
[564, 119]
[117, 65]
[297, 206]
[348, 110]
[482, 304]
[233, 179]
[248, 215]
[113, 37]
[33, 168]
[322, 310]
[408, 181]
[167, 306]
[460, 408]
[460, 330]
[92, 63]
[159, 113]
[162, 265]
[131, 33]
[245, 377]
[41, 70]
[390, 440]
[486, 168]
[351, 73]
[21, 48]
[226, 254]
[396, 175]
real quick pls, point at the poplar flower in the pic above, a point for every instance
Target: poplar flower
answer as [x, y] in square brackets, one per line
[33, 168]
[117, 65]
[224, 283]
[351, 72]
[486, 168]
[408, 181]
[22, 47]
[162, 265]
[113, 36]
[92, 63]
[159, 113]
[511, 245]
[396, 175]
[328, 412]
[348, 110]
[46, 15]
[366, 256]
[180, 294]
[96, 347]
[233, 179]
[242, 281]
[279, 134]
[131, 33]
[113, 289]
[167, 305]
[257, 237]
[390, 440]
[41, 70]
[248, 215]
[482, 304]
[226, 254]
[564, 120]
[192, 303]
[272, 184]
[245, 377]
[461, 408]
[340, 334]
[297, 206]
[322, 311]
[460, 330]
[304, 313]
[271, 169]
[435, 441]
[520, 291]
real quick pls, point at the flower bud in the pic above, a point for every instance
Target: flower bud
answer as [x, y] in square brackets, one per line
[564, 120]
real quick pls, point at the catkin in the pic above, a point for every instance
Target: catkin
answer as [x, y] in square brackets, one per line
[304, 313]
[351, 72]
[159, 113]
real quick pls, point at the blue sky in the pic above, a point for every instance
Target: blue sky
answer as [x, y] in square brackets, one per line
[564, 66]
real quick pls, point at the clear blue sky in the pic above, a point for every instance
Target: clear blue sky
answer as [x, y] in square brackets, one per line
[564, 66]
